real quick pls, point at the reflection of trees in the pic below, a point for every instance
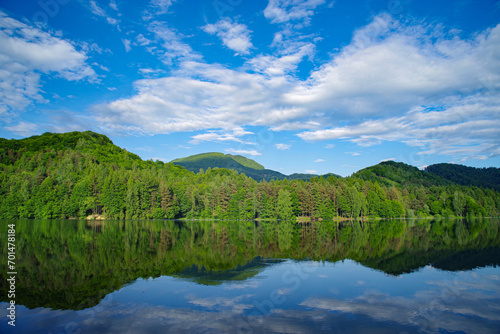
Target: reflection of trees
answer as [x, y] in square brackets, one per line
[285, 231]
[73, 264]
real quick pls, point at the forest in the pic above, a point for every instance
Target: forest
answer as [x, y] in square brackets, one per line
[80, 174]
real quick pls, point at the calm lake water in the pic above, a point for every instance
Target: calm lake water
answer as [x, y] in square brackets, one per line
[413, 276]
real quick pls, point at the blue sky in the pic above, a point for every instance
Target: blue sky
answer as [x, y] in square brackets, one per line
[298, 85]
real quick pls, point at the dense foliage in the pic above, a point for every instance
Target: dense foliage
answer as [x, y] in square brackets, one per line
[468, 176]
[74, 264]
[75, 175]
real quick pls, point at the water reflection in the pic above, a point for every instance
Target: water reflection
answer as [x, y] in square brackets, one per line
[192, 276]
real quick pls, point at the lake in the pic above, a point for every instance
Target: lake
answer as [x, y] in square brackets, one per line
[390, 276]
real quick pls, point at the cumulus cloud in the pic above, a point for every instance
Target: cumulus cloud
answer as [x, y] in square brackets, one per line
[26, 53]
[234, 36]
[394, 82]
[389, 67]
[219, 98]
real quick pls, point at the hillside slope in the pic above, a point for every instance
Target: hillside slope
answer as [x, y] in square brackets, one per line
[219, 160]
[467, 176]
[392, 173]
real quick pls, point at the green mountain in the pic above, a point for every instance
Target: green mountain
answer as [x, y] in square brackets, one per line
[238, 163]
[467, 176]
[391, 173]
[220, 159]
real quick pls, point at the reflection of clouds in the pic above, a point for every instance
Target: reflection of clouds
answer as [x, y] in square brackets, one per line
[284, 291]
[247, 285]
[472, 307]
[221, 302]
[140, 319]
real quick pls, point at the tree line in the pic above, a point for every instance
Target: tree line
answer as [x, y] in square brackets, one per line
[88, 175]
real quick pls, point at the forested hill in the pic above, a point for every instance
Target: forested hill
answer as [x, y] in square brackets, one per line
[393, 173]
[99, 146]
[77, 174]
[468, 176]
[238, 163]
[219, 158]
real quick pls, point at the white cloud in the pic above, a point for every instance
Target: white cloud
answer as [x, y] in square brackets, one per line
[218, 136]
[113, 5]
[283, 146]
[172, 47]
[126, 44]
[311, 171]
[218, 98]
[388, 68]
[234, 35]
[391, 83]
[281, 11]
[157, 7]
[284, 64]
[319, 160]
[467, 130]
[25, 54]
[24, 129]
[243, 152]
[96, 10]
[142, 40]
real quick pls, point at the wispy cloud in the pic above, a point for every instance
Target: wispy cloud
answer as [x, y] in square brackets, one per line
[98, 11]
[319, 160]
[234, 36]
[243, 152]
[126, 44]
[282, 146]
[156, 8]
[281, 11]
[222, 136]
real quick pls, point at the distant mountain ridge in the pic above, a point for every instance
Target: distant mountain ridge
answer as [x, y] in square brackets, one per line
[391, 173]
[238, 163]
[467, 176]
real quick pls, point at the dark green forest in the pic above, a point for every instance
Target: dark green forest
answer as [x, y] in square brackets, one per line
[78, 174]
[468, 176]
